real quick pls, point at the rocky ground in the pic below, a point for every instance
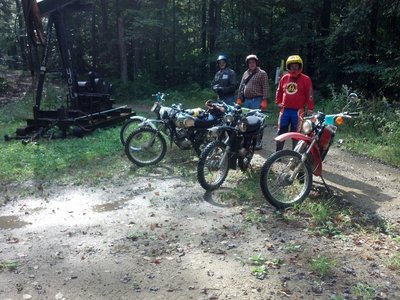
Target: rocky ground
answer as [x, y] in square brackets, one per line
[160, 236]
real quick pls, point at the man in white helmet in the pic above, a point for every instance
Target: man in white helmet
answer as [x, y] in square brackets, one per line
[254, 87]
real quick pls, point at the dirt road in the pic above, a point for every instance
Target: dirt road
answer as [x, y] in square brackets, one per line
[160, 236]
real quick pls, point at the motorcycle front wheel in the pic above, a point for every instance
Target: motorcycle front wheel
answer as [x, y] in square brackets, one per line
[129, 126]
[280, 186]
[213, 166]
[145, 146]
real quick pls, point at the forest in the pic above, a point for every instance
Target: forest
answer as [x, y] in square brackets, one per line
[148, 45]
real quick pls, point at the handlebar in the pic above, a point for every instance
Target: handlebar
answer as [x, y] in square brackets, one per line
[353, 114]
[249, 111]
[160, 96]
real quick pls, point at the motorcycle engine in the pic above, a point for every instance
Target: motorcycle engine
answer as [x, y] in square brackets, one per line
[182, 141]
[184, 120]
[242, 152]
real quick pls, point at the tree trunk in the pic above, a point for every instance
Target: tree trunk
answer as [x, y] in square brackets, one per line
[122, 46]
[204, 26]
[325, 21]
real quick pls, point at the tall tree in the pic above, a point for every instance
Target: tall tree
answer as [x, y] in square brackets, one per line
[121, 44]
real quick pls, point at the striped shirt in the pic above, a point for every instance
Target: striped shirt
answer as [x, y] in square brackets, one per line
[257, 86]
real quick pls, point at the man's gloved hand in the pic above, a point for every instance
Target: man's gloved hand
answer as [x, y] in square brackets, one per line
[263, 104]
[217, 88]
[239, 101]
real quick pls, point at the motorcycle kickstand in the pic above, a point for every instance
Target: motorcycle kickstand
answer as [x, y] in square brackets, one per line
[328, 189]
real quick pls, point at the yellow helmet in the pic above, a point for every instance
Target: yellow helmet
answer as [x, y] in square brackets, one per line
[294, 59]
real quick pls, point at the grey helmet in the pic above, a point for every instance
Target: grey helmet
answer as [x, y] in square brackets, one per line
[222, 57]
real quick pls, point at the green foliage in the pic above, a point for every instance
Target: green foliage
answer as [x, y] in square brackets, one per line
[9, 265]
[49, 160]
[322, 266]
[291, 247]
[138, 90]
[376, 132]
[394, 262]
[257, 260]
[3, 85]
[255, 217]
[260, 272]
[364, 291]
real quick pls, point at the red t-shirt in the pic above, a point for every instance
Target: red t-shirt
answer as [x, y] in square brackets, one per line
[295, 92]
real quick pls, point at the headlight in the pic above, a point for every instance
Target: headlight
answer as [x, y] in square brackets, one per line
[307, 127]
[229, 118]
[243, 126]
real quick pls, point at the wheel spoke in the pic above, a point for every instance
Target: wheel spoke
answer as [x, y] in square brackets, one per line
[145, 146]
[285, 179]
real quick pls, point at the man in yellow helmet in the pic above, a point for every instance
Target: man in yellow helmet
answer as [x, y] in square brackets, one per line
[294, 95]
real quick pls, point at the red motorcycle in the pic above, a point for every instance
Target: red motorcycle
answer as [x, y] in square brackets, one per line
[287, 175]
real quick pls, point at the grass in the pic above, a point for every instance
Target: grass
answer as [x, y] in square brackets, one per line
[96, 155]
[9, 265]
[257, 260]
[363, 291]
[374, 133]
[255, 217]
[260, 272]
[393, 262]
[322, 266]
[291, 247]
[370, 145]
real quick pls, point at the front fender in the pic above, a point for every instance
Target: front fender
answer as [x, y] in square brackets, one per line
[292, 135]
[144, 121]
[317, 169]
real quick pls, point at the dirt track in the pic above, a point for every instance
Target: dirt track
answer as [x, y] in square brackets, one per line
[162, 237]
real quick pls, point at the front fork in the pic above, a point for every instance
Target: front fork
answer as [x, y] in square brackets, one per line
[224, 156]
[304, 156]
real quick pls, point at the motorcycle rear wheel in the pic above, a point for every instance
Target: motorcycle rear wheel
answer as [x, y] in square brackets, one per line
[213, 166]
[145, 146]
[275, 182]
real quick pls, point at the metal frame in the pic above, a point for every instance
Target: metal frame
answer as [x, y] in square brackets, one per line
[89, 104]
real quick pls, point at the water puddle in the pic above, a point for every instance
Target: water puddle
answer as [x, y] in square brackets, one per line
[11, 222]
[110, 206]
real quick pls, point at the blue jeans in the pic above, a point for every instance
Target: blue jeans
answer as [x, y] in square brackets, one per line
[252, 103]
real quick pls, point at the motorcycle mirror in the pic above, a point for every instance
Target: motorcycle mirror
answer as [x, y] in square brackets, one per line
[353, 97]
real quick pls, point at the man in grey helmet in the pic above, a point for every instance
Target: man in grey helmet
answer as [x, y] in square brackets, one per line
[224, 82]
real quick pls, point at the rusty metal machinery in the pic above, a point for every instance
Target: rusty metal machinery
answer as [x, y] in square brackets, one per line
[89, 104]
